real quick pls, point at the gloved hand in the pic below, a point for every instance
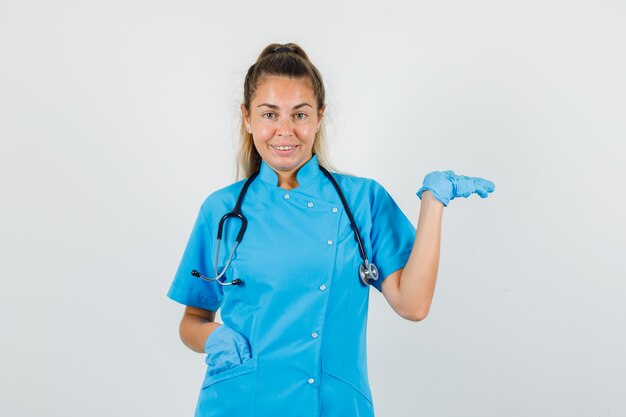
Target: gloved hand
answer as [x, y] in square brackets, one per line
[226, 348]
[446, 185]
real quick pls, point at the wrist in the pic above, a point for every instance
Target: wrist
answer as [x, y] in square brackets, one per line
[428, 198]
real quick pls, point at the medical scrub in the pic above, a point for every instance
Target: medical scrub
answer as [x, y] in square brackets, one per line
[302, 307]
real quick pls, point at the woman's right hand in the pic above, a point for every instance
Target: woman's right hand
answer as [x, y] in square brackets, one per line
[226, 348]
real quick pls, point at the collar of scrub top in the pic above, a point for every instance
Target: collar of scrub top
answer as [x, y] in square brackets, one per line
[307, 173]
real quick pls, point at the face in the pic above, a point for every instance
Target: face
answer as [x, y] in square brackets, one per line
[283, 120]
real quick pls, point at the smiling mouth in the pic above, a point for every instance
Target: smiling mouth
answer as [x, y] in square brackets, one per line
[284, 148]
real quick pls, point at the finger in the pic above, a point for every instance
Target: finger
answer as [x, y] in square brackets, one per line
[482, 192]
[485, 184]
[464, 186]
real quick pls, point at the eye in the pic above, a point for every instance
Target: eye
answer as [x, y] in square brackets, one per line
[268, 115]
[301, 116]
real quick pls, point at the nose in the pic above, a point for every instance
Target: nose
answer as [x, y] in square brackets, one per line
[285, 127]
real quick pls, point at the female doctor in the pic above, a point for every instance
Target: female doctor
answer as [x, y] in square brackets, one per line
[293, 288]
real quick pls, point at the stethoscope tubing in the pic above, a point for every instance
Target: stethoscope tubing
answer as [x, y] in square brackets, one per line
[357, 235]
[367, 271]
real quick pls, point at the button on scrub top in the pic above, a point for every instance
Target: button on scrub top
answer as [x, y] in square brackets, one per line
[302, 308]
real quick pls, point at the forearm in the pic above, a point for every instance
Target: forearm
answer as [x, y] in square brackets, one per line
[194, 331]
[417, 282]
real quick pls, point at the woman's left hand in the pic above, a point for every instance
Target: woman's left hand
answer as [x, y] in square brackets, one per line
[446, 186]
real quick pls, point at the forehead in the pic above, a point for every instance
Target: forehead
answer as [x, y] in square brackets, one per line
[282, 88]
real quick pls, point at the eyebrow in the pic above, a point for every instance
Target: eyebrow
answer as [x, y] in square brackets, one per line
[275, 107]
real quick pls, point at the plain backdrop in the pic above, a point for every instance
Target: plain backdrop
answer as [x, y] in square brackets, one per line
[117, 119]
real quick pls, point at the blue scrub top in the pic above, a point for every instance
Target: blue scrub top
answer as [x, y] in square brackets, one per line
[303, 307]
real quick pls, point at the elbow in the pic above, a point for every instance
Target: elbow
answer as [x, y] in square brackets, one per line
[416, 314]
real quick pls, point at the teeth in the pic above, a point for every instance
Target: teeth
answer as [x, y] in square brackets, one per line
[283, 148]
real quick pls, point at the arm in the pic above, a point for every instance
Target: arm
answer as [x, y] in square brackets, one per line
[196, 326]
[409, 291]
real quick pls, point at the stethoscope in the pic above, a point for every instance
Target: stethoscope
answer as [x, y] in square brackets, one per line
[367, 270]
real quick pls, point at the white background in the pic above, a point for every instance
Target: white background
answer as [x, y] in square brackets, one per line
[117, 119]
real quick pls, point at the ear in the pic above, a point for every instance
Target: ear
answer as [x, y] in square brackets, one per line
[320, 116]
[321, 112]
[245, 116]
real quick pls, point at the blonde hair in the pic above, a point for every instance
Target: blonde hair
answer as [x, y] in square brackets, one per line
[287, 60]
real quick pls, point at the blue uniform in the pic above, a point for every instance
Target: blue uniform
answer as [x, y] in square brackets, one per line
[303, 307]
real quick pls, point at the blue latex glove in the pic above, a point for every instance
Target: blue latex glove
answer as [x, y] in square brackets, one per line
[446, 185]
[225, 348]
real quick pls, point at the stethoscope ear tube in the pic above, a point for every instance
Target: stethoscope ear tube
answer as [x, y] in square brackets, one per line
[233, 282]
[242, 228]
[236, 212]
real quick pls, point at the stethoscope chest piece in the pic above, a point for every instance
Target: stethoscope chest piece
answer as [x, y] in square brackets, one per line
[368, 272]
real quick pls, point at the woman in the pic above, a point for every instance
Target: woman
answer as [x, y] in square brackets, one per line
[294, 295]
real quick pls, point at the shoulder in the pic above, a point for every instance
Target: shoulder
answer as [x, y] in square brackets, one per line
[222, 199]
[359, 185]
[363, 193]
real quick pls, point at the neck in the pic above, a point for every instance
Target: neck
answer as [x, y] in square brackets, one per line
[287, 182]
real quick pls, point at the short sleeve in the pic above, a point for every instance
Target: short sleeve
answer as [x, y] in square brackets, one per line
[193, 291]
[392, 235]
